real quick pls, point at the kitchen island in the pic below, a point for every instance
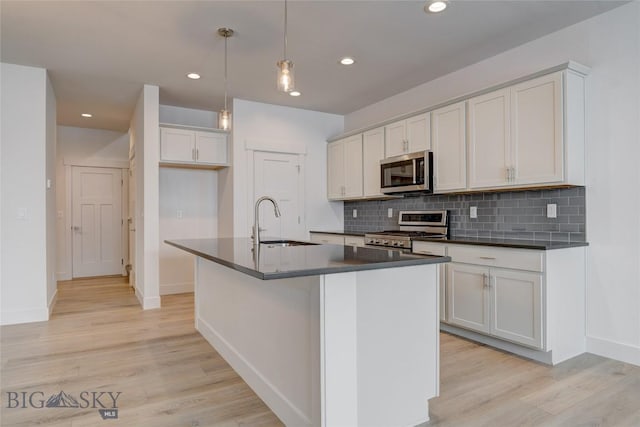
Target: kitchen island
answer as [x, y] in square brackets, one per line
[326, 335]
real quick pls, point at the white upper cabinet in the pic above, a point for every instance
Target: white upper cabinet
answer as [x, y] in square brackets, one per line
[448, 140]
[537, 131]
[516, 135]
[408, 136]
[489, 140]
[193, 148]
[344, 168]
[372, 153]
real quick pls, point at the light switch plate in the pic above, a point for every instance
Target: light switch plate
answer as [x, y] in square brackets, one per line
[473, 212]
[355, 213]
[390, 212]
[552, 210]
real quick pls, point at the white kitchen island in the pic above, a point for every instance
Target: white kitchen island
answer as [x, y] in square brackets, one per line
[326, 335]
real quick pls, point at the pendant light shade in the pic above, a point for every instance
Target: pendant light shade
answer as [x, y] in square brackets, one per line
[224, 116]
[286, 81]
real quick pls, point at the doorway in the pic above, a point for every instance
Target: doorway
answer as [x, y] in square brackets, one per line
[97, 221]
[280, 175]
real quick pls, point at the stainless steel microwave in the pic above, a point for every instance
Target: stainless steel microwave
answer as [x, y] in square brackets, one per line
[408, 173]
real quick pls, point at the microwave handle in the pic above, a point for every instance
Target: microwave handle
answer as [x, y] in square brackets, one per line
[415, 165]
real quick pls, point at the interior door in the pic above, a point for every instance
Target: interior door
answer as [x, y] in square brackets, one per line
[97, 221]
[279, 175]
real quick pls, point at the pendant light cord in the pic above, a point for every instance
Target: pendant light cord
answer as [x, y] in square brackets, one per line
[285, 30]
[225, 72]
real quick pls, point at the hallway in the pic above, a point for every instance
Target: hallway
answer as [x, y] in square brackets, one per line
[99, 340]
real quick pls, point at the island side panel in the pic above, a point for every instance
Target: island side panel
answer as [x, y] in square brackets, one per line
[269, 332]
[380, 349]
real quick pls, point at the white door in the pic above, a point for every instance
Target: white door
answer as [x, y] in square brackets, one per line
[279, 175]
[177, 145]
[211, 148]
[516, 306]
[97, 221]
[131, 222]
[448, 141]
[396, 139]
[489, 139]
[467, 290]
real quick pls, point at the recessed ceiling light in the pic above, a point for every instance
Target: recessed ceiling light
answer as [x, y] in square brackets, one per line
[347, 61]
[193, 76]
[435, 6]
[295, 93]
[86, 115]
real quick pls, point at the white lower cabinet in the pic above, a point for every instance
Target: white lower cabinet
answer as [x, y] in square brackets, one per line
[526, 301]
[354, 241]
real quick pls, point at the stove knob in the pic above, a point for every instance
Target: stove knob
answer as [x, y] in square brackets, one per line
[385, 242]
[396, 243]
[377, 242]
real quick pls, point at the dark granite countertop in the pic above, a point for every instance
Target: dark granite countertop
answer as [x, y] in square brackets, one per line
[276, 262]
[507, 243]
[342, 233]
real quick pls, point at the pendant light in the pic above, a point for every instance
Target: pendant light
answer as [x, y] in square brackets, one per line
[285, 66]
[224, 117]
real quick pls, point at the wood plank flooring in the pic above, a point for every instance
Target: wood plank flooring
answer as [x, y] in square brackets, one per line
[99, 339]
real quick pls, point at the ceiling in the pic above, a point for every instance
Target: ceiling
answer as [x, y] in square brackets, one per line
[100, 53]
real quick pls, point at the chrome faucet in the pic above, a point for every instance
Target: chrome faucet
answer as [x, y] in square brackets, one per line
[256, 223]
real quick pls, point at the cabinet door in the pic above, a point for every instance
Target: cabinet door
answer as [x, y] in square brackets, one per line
[211, 148]
[468, 300]
[177, 145]
[419, 132]
[396, 139]
[429, 248]
[537, 130]
[449, 147]
[372, 153]
[489, 140]
[516, 306]
[335, 170]
[353, 166]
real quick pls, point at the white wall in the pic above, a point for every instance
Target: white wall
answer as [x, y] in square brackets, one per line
[145, 137]
[610, 44]
[80, 146]
[188, 116]
[275, 128]
[188, 210]
[26, 160]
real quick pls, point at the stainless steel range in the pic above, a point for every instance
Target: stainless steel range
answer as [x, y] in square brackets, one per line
[432, 224]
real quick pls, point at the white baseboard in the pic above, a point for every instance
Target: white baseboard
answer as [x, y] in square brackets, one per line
[614, 350]
[176, 288]
[52, 301]
[151, 303]
[273, 398]
[14, 317]
[63, 275]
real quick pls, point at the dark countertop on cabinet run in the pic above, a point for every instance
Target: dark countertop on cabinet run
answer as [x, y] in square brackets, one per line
[544, 245]
[274, 262]
[342, 233]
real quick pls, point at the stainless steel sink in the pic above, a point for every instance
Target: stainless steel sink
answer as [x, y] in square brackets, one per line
[283, 243]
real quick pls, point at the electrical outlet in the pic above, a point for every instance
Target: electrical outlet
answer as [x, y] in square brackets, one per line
[355, 213]
[21, 214]
[552, 210]
[473, 212]
[390, 212]
[179, 214]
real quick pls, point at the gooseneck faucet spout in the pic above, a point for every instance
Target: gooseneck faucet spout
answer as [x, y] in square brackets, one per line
[256, 223]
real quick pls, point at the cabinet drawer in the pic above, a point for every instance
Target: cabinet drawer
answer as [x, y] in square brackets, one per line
[332, 239]
[428, 248]
[354, 240]
[519, 259]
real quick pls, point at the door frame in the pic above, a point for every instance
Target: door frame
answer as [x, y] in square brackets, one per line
[251, 183]
[95, 162]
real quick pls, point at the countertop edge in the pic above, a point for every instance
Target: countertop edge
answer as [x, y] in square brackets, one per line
[537, 245]
[341, 233]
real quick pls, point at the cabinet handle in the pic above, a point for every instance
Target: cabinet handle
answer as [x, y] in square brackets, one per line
[425, 252]
[197, 153]
[485, 280]
[513, 174]
[508, 171]
[486, 257]
[193, 154]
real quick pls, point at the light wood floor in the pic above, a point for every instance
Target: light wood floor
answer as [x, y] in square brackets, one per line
[99, 339]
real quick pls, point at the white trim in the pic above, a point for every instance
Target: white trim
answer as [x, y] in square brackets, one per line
[176, 288]
[151, 303]
[97, 162]
[14, 317]
[279, 146]
[52, 301]
[623, 352]
[68, 235]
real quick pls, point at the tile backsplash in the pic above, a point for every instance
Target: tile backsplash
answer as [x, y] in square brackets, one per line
[508, 215]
